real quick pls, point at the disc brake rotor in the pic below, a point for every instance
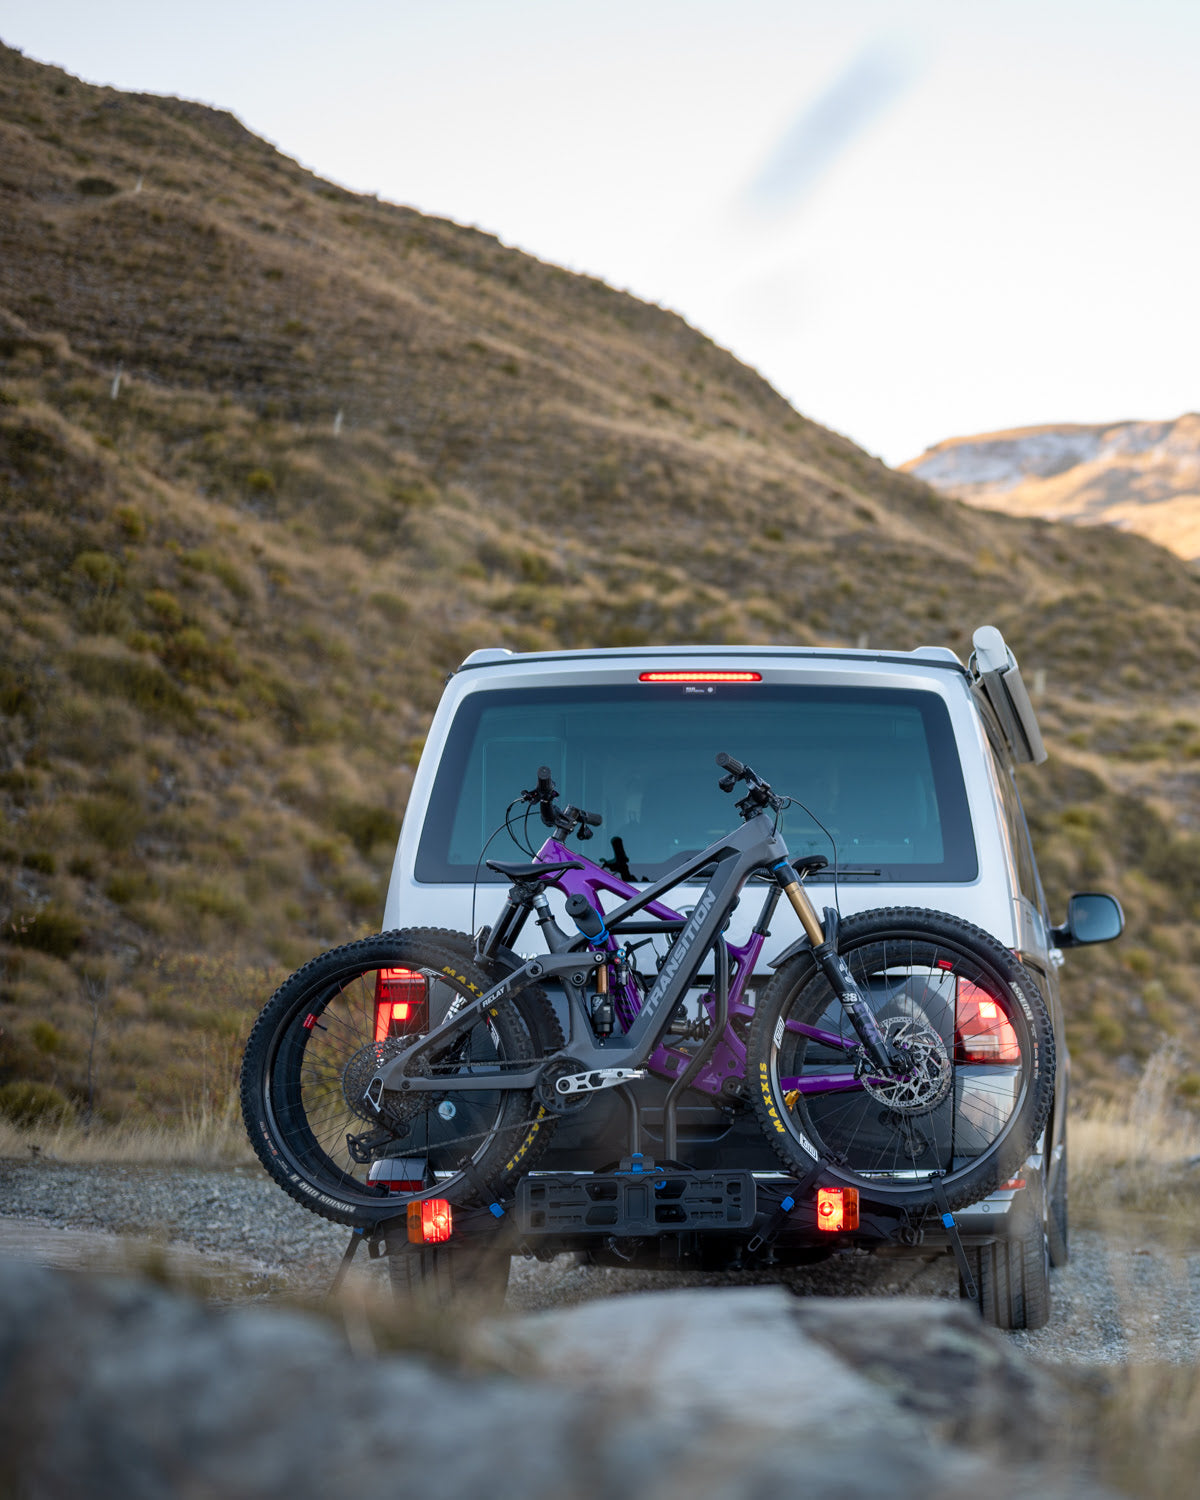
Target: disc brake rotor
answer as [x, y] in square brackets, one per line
[928, 1076]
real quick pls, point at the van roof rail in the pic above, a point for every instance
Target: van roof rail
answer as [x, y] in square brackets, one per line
[996, 680]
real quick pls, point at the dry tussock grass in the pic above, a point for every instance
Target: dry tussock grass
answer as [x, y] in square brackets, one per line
[1135, 1161]
[201, 1137]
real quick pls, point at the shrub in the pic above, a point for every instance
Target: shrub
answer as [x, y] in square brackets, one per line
[260, 482]
[165, 607]
[365, 825]
[99, 569]
[46, 1037]
[96, 187]
[28, 1103]
[140, 682]
[131, 522]
[113, 822]
[52, 930]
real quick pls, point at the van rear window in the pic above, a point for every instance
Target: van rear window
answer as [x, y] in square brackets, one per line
[878, 767]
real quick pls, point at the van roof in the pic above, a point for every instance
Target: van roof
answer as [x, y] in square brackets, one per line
[932, 656]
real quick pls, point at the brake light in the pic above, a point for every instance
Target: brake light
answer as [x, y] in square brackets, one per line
[982, 1032]
[430, 1221]
[837, 1208]
[699, 676]
[400, 1002]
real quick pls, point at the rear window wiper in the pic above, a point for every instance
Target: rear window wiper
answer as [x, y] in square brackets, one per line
[847, 872]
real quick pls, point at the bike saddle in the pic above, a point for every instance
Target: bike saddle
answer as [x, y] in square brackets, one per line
[531, 872]
[809, 864]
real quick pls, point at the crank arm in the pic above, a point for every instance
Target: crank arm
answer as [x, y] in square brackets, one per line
[571, 1084]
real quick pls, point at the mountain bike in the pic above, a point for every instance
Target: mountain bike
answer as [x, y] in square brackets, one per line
[901, 1052]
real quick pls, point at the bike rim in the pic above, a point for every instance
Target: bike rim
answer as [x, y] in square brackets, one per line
[326, 1053]
[968, 1017]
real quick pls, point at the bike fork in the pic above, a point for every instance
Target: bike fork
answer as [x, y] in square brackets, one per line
[823, 936]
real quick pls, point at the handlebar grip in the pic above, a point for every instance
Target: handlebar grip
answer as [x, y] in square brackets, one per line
[727, 763]
[545, 785]
[593, 818]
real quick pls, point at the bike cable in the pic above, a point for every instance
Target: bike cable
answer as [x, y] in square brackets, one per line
[796, 802]
[487, 846]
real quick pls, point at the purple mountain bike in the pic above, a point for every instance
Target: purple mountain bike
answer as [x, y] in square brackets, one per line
[902, 1052]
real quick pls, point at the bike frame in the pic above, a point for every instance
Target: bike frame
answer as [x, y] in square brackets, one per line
[644, 1023]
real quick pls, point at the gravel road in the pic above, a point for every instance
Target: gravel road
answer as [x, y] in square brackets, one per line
[1113, 1303]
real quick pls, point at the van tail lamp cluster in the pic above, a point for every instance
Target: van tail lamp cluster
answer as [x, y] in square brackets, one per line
[430, 1221]
[699, 676]
[982, 1032]
[401, 1002]
[837, 1208]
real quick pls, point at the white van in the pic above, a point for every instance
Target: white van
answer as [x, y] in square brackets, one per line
[902, 766]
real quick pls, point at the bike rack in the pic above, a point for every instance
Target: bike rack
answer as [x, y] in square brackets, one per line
[703, 1052]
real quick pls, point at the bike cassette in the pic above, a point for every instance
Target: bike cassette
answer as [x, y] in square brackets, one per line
[565, 1085]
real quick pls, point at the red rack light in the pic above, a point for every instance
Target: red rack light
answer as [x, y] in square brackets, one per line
[430, 1222]
[837, 1209]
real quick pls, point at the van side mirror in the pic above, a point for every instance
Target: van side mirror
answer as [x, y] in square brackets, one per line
[1092, 917]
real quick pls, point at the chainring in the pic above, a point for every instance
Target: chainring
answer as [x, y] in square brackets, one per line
[547, 1095]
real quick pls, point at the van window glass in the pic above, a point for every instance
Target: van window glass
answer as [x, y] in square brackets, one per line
[878, 767]
[1018, 832]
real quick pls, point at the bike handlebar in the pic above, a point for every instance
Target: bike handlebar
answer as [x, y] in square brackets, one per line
[545, 794]
[759, 795]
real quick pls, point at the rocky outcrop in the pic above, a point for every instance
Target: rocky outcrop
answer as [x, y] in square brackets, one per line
[122, 1390]
[1140, 476]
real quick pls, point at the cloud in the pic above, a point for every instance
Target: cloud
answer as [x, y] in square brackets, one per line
[826, 127]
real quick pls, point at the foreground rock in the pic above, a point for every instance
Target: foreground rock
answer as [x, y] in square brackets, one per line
[116, 1389]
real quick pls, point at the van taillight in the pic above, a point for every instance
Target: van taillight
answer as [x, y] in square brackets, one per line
[982, 1032]
[401, 1002]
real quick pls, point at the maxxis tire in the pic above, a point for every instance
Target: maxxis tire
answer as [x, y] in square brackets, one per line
[274, 1110]
[860, 938]
[531, 1001]
[1012, 1275]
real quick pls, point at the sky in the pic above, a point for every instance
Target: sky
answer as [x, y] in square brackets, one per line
[917, 218]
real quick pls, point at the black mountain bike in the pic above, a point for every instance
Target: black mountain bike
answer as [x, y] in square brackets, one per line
[902, 1052]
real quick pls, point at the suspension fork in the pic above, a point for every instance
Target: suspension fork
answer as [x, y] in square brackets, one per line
[823, 936]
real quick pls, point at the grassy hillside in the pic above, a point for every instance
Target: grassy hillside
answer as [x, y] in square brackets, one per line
[274, 457]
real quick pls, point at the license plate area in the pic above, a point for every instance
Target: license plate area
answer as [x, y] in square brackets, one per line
[635, 1203]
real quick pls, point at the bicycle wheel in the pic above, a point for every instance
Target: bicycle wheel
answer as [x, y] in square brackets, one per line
[982, 1047]
[322, 1036]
